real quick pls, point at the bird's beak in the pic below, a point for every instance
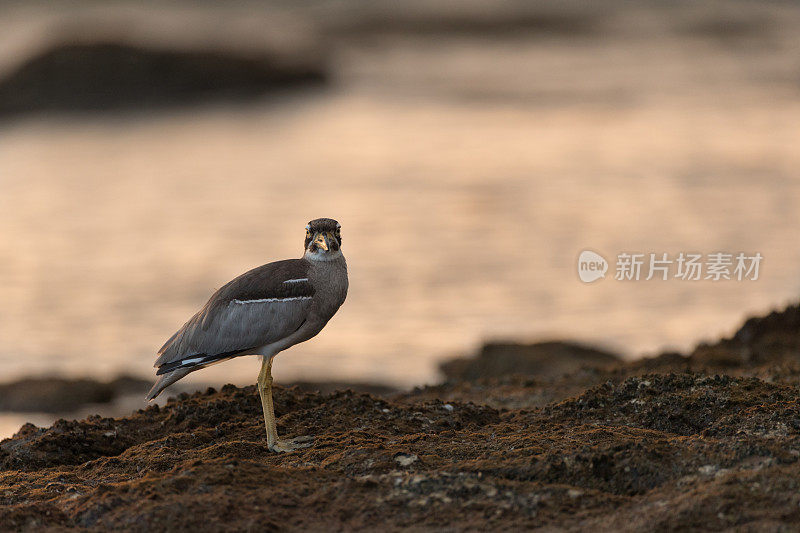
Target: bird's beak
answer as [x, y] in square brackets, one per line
[321, 240]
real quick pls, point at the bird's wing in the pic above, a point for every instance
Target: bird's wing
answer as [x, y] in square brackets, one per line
[257, 308]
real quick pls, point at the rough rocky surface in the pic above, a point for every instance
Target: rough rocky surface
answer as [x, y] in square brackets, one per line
[655, 452]
[667, 443]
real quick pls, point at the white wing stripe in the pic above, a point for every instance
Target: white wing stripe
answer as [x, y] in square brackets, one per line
[268, 300]
[298, 280]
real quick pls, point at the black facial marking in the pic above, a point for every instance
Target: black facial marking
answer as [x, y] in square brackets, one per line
[323, 224]
[326, 225]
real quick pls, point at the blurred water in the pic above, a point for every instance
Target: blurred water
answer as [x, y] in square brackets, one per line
[467, 176]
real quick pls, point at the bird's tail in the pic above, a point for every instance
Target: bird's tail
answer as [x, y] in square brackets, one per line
[165, 380]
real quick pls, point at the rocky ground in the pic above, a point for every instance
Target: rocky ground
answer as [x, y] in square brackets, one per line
[708, 441]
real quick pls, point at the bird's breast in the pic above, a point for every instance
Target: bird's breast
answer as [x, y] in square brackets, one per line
[330, 286]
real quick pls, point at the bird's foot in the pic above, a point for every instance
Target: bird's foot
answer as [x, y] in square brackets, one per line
[291, 445]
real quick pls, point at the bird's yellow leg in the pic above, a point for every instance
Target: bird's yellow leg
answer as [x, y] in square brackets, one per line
[265, 391]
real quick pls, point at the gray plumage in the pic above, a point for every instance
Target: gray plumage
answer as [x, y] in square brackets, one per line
[263, 311]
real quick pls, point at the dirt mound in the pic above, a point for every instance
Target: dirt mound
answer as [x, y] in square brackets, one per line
[677, 404]
[651, 445]
[617, 456]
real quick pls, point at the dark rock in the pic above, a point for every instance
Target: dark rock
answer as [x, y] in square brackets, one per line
[63, 395]
[545, 359]
[121, 76]
[770, 337]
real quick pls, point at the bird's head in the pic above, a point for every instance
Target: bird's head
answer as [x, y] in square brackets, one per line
[323, 239]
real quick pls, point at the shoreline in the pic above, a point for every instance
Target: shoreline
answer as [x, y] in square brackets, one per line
[617, 445]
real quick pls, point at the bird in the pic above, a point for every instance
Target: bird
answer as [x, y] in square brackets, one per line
[263, 312]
